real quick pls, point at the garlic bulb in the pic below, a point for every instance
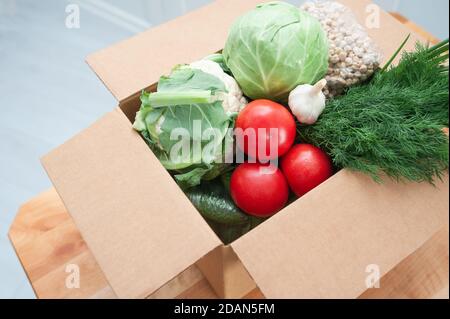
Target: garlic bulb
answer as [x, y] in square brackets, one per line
[307, 102]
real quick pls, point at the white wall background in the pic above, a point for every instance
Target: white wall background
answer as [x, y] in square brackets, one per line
[48, 94]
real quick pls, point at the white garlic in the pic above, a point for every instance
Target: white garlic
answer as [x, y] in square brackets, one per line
[307, 102]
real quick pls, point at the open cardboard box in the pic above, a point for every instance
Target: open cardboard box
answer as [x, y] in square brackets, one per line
[143, 231]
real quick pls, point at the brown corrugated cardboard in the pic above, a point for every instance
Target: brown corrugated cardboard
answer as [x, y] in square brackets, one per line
[134, 64]
[422, 275]
[143, 230]
[225, 273]
[386, 31]
[321, 245]
[135, 219]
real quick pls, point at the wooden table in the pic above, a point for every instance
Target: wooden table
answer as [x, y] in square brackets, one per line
[47, 241]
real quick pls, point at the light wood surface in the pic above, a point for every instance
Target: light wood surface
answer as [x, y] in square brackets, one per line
[46, 241]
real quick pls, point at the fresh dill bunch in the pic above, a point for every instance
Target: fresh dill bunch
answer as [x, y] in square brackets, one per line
[393, 124]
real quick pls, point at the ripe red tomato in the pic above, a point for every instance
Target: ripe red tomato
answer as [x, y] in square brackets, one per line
[305, 167]
[264, 115]
[258, 189]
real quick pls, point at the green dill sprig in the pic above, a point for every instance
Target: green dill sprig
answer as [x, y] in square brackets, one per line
[393, 124]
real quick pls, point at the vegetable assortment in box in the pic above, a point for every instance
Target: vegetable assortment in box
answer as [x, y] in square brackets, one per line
[296, 116]
[279, 53]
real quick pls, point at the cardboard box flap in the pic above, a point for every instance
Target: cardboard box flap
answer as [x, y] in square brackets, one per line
[111, 183]
[136, 63]
[330, 243]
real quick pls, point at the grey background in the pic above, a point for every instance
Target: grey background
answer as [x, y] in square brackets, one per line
[48, 94]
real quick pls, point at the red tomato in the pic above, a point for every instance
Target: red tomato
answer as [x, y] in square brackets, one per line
[258, 189]
[264, 115]
[305, 167]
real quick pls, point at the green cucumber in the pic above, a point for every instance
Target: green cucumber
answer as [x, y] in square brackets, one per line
[225, 179]
[229, 234]
[214, 203]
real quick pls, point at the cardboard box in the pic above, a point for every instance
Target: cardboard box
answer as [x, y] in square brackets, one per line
[144, 231]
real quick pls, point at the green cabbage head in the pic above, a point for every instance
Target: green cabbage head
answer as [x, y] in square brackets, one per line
[274, 48]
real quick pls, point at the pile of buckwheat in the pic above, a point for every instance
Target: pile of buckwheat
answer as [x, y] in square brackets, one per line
[353, 56]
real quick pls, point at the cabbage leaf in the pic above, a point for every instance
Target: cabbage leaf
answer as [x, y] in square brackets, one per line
[274, 48]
